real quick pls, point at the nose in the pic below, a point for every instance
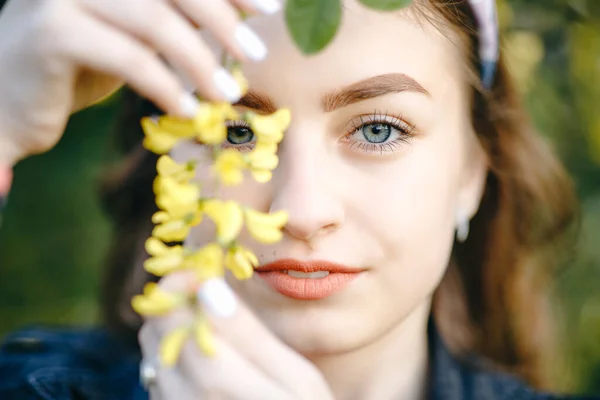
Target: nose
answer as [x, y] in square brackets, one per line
[305, 188]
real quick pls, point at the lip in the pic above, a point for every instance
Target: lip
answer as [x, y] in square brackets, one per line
[307, 288]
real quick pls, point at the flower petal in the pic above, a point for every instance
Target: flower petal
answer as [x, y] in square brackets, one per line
[229, 166]
[160, 216]
[262, 175]
[156, 139]
[183, 128]
[155, 247]
[241, 262]
[228, 218]
[209, 123]
[240, 79]
[160, 266]
[171, 231]
[264, 227]
[171, 345]
[207, 262]
[154, 301]
[263, 160]
[204, 338]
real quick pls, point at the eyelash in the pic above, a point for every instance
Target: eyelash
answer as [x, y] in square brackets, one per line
[405, 129]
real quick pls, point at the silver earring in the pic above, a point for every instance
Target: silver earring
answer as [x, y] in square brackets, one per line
[462, 226]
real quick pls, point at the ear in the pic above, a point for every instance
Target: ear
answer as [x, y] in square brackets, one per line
[474, 177]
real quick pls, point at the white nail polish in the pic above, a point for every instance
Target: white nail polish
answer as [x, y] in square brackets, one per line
[227, 85]
[249, 41]
[189, 105]
[267, 6]
[218, 298]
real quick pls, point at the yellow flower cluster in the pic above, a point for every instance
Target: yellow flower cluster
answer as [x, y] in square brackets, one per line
[182, 206]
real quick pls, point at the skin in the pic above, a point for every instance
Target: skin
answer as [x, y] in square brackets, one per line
[392, 210]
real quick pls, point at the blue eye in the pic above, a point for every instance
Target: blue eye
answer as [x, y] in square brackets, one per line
[377, 133]
[239, 135]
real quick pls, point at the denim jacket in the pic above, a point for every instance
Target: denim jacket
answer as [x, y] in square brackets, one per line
[90, 364]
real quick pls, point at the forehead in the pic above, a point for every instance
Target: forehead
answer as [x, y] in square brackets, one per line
[368, 43]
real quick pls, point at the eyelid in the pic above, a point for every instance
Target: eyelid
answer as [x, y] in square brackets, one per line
[397, 121]
[237, 123]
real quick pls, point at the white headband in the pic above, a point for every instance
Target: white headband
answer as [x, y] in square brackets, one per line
[487, 19]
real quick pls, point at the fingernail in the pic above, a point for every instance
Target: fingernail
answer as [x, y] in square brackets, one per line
[267, 6]
[249, 41]
[227, 85]
[218, 298]
[189, 105]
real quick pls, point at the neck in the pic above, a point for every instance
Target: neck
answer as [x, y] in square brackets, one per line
[393, 367]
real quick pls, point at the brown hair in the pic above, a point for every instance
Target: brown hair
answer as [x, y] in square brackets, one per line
[492, 300]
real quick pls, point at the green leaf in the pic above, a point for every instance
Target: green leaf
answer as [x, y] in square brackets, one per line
[386, 5]
[313, 23]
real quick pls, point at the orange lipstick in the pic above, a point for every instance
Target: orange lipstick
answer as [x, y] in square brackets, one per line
[307, 280]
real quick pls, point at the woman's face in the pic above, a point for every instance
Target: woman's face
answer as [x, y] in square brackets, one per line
[379, 158]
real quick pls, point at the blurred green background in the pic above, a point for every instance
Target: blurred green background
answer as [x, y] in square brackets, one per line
[55, 235]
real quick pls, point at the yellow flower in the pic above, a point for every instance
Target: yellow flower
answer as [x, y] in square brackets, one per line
[229, 166]
[175, 229]
[178, 199]
[183, 128]
[265, 147]
[228, 219]
[241, 262]
[155, 301]
[265, 228]
[263, 159]
[206, 262]
[204, 337]
[210, 122]
[157, 139]
[166, 166]
[270, 128]
[164, 259]
[262, 175]
[241, 80]
[160, 216]
[171, 345]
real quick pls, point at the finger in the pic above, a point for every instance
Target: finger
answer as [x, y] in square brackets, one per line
[170, 385]
[178, 282]
[237, 325]
[164, 29]
[101, 47]
[221, 18]
[226, 375]
[258, 6]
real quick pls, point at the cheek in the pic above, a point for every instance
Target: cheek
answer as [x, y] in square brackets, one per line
[410, 206]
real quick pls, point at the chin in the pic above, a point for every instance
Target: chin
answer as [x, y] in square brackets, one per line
[320, 332]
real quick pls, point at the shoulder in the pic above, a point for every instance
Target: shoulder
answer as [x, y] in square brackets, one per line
[477, 381]
[64, 364]
[457, 379]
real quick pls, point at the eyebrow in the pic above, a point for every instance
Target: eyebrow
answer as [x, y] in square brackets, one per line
[359, 91]
[256, 101]
[370, 88]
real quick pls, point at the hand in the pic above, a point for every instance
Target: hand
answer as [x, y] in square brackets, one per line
[57, 57]
[250, 362]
